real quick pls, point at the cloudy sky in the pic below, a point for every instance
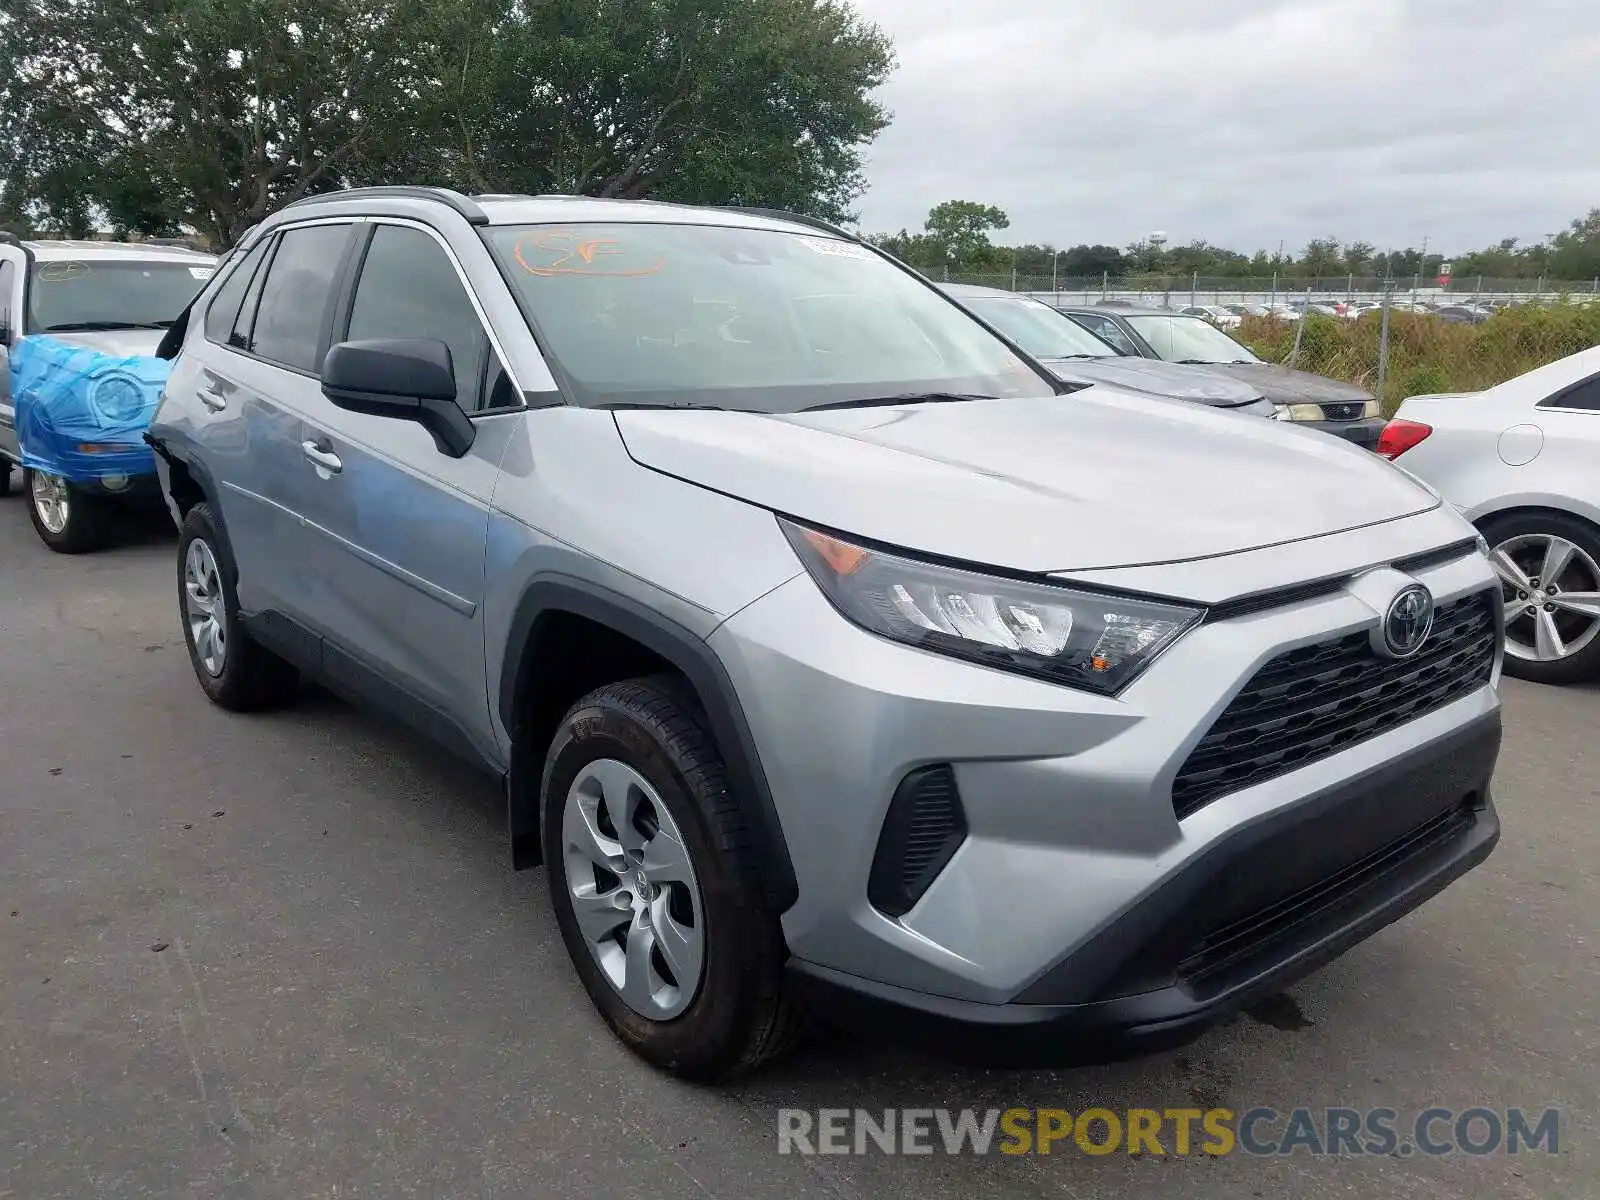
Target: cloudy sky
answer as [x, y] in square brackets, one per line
[1243, 122]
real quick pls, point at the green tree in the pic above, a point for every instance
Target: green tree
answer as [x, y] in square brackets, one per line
[1358, 257]
[1090, 261]
[961, 229]
[1575, 252]
[1321, 259]
[209, 114]
[757, 102]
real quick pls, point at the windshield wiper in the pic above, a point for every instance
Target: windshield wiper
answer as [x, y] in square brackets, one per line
[103, 326]
[906, 398]
[1075, 357]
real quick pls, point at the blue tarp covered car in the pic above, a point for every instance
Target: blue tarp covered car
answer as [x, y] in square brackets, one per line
[81, 413]
[80, 325]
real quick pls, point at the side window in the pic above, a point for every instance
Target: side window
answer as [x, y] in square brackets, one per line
[222, 314]
[293, 313]
[1585, 395]
[8, 281]
[239, 339]
[409, 289]
[1108, 330]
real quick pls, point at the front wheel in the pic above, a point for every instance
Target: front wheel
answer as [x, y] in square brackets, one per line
[66, 517]
[1549, 568]
[645, 855]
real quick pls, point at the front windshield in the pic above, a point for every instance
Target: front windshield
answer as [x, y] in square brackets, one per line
[126, 294]
[758, 320]
[1189, 339]
[1039, 329]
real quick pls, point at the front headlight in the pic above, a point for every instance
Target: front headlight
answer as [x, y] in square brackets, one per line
[1076, 638]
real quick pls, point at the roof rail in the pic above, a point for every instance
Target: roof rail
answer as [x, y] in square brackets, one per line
[778, 214]
[462, 204]
[8, 238]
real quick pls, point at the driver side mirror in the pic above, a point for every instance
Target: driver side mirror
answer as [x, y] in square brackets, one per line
[411, 379]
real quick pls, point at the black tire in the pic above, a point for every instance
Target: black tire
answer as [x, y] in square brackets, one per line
[1585, 664]
[741, 1015]
[88, 519]
[5, 478]
[251, 676]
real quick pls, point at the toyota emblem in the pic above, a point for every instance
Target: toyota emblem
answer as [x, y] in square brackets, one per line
[1408, 622]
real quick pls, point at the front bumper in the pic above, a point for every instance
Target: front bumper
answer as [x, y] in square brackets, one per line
[1258, 911]
[1067, 797]
[143, 490]
[1364, 433]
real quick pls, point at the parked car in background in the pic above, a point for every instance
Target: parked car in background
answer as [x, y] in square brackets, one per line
[1360, 308]
[112, 299]
[1462, 314]
[1215, 313]
[1522, 462]
[1332, 406]
[815, 635]
[1074, 354]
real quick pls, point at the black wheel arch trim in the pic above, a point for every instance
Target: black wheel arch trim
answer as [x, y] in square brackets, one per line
[204, 480]
[698, 663]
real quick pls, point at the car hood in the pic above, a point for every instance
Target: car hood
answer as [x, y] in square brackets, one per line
[119, 343]
[1285, 385]
[1094, 479]
[1158, 378]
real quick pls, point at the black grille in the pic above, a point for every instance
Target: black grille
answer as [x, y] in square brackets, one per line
[1317, 700]
[924, 827]
[1343, 412]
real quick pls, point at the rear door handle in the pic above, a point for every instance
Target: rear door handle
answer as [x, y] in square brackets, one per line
[322, 455]
[213, 392]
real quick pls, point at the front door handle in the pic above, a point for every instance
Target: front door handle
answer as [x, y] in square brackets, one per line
[213, 401]
[322, 455]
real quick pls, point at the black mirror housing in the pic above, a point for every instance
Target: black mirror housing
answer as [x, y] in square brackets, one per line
[412, 379]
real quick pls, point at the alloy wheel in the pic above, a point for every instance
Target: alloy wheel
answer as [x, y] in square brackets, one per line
[1550, 588]
[203, 608]
[633, 889]
[52, 501]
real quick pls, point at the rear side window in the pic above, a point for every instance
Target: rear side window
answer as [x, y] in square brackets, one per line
[1585, 395]
[223, 312]
[292, 317]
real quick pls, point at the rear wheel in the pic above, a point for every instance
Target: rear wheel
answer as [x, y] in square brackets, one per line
[66, 517]
[5, 477]
[234, 670]
[1549, 568]
[645, 853]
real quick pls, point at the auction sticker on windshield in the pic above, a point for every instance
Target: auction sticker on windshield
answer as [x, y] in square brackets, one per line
[837, 249]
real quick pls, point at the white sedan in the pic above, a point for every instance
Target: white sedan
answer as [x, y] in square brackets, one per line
[1522, 462]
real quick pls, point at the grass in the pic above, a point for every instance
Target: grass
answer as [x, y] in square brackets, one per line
[1427, 354]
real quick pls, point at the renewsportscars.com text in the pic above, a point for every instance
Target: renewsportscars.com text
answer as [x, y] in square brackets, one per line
[1257, 1132]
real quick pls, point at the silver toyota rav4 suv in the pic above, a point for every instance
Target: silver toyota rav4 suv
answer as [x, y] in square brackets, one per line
[835, 658]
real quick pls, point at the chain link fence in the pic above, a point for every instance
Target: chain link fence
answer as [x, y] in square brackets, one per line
[1178, 291]
[1392, 339]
